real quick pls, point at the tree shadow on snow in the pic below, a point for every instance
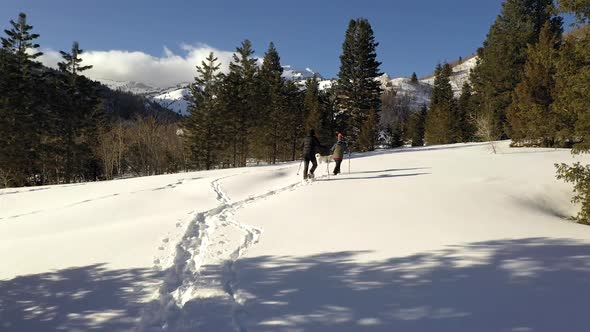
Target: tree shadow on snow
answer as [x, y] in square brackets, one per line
[543, 203]
[377, 177]
[89, 298]
[388, 170]
[535, 284]
[414, 149]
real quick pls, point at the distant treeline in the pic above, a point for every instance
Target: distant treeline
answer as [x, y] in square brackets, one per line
[56, 126]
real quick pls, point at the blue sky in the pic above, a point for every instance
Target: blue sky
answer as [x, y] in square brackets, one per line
[414, 35]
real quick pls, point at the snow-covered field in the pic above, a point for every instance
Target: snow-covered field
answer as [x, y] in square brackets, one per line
[446, 238]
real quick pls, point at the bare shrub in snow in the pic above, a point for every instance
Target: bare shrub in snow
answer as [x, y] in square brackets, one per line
[484, 129]
[154, 148]
[5, 178]
[111, 148]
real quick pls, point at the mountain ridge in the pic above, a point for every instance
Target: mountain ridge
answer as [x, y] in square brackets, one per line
[174, 97]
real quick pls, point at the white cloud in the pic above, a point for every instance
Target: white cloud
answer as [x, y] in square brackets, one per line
[165, 71]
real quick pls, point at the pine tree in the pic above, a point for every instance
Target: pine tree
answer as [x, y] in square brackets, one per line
[531, 116]
[465, 113]
[567, 95]
[571, 97]
[272, 113]
[312, 104]
[396, 135]
[439, 121]
[296, 118]
[571, 104]
[419, 124]
[580, 8]
[414, 79]
[329, 124]
[6, 129]
[19, 41]
[239, 102]
[358, 91]
[22, 122]
[318, 108]
[502, 58]
[204, 125]
[78, 115]
[368, 134]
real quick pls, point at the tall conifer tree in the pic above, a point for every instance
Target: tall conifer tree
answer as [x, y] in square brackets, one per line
[357, 90]
[272, 117]
[312, 104]
[239, 99]
[531, 116]
[77, 115]
[571, 103]
[20, 105]
[439, 121]
[502, 58]
[419, 123]
[204, 125]
[465, 130]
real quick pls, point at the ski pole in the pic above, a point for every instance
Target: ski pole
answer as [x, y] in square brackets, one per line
[348, 162]
[299, 166]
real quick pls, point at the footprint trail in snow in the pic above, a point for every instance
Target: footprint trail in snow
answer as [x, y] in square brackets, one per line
[199, 276]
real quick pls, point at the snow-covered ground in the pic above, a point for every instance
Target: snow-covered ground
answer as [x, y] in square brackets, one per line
[445, 238]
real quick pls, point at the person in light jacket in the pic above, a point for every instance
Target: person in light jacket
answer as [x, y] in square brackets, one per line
[338, 151]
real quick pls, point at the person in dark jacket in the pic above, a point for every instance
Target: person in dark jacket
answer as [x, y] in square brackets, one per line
[311, 145]
[338, 151]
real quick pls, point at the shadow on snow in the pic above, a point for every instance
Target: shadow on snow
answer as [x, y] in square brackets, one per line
[534, 284]
[376, 177]
[89, 298]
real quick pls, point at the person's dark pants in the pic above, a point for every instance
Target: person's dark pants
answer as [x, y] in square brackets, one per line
[337, 167]
[306, 161]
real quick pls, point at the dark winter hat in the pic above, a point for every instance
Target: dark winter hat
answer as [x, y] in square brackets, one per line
[311, 132]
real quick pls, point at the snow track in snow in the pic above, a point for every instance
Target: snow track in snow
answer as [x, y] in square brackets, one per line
[201, 267]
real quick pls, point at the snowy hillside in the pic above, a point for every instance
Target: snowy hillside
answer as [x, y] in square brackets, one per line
[445, 238]
[174, 100]
[169, 97]
[137, 88]
[460, 75]
[421, 91]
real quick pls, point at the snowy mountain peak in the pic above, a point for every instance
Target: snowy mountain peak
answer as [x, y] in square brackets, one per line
[296, 74]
